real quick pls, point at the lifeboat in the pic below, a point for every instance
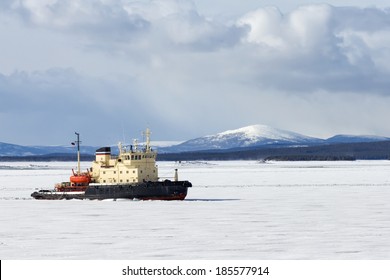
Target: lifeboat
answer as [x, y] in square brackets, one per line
[77, 183]
[80, 179]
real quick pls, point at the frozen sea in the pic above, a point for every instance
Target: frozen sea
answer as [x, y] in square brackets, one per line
[235, 210]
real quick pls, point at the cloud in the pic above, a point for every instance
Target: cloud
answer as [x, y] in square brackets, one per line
[173, 22]
[194, 75]
[321, 47]
[310, 39]
[62, 100]
[54, 90]
[99, 19]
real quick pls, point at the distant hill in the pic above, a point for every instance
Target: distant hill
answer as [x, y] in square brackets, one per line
[262, 136]
[255, 140]
[12, 150]
[249, 136]
[355, 139]
[7, 149]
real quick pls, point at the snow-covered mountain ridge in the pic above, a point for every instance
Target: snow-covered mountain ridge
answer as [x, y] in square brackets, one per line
[246, 137]
[255, 133]
[262, 135]
[249, 136]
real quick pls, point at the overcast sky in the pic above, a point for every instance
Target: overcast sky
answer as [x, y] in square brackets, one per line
[108, 69]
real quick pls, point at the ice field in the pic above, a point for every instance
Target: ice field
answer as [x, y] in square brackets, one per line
[235, 210]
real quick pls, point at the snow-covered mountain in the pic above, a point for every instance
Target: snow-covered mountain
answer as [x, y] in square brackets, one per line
[249, 136]
[262, 135]
[245, 137]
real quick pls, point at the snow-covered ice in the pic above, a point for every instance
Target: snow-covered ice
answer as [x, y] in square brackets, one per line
[235, 210]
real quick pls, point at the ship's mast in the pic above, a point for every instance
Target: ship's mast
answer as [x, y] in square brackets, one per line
[147, 135]
[78, 152]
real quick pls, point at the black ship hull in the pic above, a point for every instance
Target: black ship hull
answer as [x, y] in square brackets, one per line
[165, 190]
